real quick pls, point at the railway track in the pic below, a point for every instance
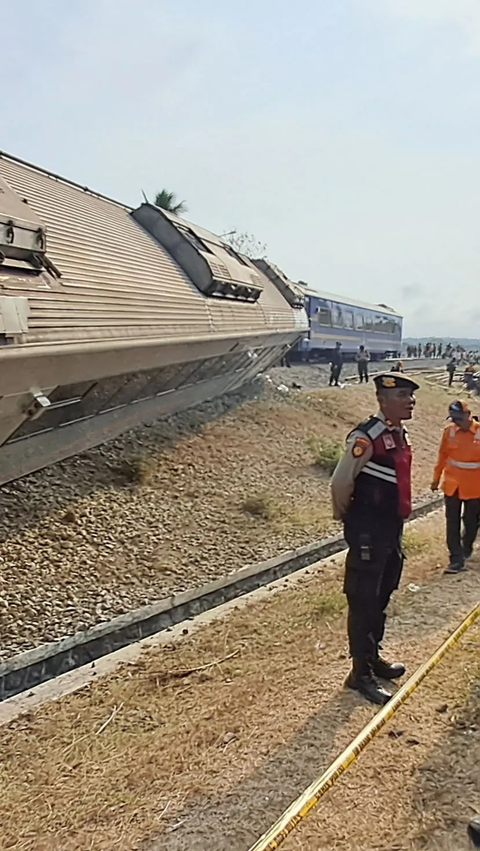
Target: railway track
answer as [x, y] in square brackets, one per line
[207, 746]
[26, 670]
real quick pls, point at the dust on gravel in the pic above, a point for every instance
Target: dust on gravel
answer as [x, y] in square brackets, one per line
[163, 508]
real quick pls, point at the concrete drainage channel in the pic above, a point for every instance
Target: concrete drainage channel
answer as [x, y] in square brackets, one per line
[29, 669]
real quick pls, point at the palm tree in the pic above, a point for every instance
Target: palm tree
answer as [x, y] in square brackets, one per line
[168, 201]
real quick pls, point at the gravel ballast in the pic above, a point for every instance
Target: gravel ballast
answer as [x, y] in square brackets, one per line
[175, 505]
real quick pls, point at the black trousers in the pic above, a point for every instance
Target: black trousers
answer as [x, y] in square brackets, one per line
[450, 378]
[457, 543]
[363, 371]
[369, 585]
[335, 371]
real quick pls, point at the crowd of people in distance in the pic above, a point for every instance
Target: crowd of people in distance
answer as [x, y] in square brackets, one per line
[456, 356]
[439, 350]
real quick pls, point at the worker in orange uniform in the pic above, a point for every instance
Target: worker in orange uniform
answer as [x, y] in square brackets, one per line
[459, 461]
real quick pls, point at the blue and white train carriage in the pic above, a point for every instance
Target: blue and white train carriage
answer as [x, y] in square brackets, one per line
[353, 323]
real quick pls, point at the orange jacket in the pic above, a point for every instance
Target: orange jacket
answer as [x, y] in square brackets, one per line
[459, 461]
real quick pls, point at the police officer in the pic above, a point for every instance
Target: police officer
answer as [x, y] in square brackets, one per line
[336, 363]
[362, 358]
[371, 493]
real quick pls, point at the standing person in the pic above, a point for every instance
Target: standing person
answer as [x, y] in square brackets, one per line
[439, 350]
[336, 364]
[459, 461]
[371, 493]
[451, 367]
[362, 357]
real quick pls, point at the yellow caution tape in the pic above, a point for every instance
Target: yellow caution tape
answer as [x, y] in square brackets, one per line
[312, 795]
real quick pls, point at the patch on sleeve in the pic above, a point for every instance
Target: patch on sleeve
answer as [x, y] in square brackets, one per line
[359, 447]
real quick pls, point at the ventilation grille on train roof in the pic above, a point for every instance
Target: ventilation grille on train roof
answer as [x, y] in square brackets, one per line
[284, 285]
[214, 267]
[23, 238]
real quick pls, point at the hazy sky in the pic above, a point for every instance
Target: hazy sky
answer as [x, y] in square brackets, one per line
[342, 133]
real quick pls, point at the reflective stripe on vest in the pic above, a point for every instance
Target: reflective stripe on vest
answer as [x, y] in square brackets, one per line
[465, 465]
[380, 471]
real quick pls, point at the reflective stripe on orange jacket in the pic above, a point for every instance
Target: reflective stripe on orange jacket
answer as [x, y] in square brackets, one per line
[459, 461]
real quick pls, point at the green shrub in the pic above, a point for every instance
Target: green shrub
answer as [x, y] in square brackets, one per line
[261, 505]
[330, 603]
[326, 453]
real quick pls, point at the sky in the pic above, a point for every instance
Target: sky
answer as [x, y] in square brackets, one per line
[343, 135]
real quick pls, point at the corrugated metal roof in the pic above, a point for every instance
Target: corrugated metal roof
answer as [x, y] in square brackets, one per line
[341, 299]
[117, 281]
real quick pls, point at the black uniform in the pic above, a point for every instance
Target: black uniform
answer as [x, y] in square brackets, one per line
[336, 363]
[371, 490]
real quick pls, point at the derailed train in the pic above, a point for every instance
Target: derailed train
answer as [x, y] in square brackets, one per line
[112, 316]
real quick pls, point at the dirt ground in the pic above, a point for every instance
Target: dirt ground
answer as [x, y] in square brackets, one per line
[164, 508]
[200, 745]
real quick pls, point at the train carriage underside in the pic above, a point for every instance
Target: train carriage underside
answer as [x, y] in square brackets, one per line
[112, 317]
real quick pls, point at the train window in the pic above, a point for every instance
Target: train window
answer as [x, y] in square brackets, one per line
[359, 321]
[69, 393]
[348, 319]
[324, 315]
[381, 324]
[337, 316]
[368, 322]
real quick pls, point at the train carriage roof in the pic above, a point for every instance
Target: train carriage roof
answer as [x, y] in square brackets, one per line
[340, 299]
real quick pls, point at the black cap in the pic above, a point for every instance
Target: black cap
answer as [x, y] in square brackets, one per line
[457, 410]
[391, 380]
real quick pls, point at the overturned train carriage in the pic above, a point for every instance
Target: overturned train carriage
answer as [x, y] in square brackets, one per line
[110, 317]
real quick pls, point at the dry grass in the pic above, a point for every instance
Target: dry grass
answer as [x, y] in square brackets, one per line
[207, 759]
[151, 517]
[264, 506]
[415, 541]
[327, 604]
[326, 453]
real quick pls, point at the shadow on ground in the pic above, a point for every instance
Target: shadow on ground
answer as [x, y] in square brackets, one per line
[447, 793]
[236, 819]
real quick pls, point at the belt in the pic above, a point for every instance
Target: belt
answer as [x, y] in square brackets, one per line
[465, 465]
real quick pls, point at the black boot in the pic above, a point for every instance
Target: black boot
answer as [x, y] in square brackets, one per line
[361, 679]
[474, 831]
[388, 670]
[455, 567]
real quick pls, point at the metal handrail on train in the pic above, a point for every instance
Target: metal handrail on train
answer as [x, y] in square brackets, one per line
[300, 808]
